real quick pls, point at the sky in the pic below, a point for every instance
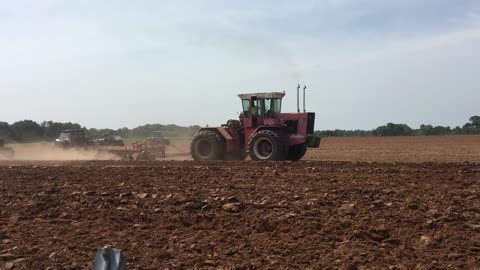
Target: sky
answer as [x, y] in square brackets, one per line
[122, 63]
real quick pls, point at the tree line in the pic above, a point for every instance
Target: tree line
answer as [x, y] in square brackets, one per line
[28, 130]
[470, 128]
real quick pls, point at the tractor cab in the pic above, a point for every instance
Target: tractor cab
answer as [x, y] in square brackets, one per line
[72, 138]
[260, 108]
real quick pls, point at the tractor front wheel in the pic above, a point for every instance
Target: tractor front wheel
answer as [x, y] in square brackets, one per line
[267, 145]
[207, 145]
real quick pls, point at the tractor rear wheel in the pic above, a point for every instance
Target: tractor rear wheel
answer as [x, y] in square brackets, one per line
[208, 145]
[267, 145]
[296, 152]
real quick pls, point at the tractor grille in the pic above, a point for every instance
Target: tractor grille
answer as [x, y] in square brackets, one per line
[310, 123]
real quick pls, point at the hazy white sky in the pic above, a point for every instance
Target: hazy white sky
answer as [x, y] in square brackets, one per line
[116, 63]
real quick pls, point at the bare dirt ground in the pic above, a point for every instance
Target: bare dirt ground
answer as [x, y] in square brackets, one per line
[399, 149]
[248, 215]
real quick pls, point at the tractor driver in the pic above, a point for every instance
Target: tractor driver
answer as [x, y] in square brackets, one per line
[254, 114]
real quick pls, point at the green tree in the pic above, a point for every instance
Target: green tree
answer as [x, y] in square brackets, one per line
[392, 129]
[6, 132]
[26, 130]
[475, 121]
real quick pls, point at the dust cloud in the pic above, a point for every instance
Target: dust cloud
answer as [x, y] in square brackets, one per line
[48, 151]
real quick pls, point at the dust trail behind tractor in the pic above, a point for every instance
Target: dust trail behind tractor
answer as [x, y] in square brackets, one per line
[5, 152]
[150, 149]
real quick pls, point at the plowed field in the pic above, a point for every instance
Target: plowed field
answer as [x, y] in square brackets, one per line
[399, 149]
[246, 215]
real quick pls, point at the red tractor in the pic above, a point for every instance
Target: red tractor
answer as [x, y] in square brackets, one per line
[264, 132]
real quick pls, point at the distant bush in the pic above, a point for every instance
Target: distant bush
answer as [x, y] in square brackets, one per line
[428, 130]
[392, 129]
[344, 133]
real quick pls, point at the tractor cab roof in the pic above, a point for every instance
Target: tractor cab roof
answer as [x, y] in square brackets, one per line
[263, 95]
[73, 131]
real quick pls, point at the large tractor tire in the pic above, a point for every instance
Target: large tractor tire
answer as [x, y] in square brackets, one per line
[267, 145]
[208, 145]
[296, 152]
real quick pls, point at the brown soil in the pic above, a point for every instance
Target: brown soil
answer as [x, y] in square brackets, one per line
[399, 149]
[305, 215]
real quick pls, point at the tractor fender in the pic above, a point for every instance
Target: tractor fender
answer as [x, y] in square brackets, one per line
[291, 138]
[259, 128]
[220, 131]
[233, 143]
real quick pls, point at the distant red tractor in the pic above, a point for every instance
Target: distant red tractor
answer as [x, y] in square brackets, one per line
[264, 132]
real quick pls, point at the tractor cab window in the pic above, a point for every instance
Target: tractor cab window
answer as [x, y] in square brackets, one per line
[272, 106]
[277, 105]
[246, 107]
[261, 106]
[256, 110]
[268, 107]
[64, 136]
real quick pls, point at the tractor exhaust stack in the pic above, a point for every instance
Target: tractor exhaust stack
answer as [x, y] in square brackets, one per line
[298, 98]
[304, 88]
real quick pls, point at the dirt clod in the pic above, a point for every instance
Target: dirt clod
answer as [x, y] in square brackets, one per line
[233, 207]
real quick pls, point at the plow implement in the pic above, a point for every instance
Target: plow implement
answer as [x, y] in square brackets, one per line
[143, 151]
